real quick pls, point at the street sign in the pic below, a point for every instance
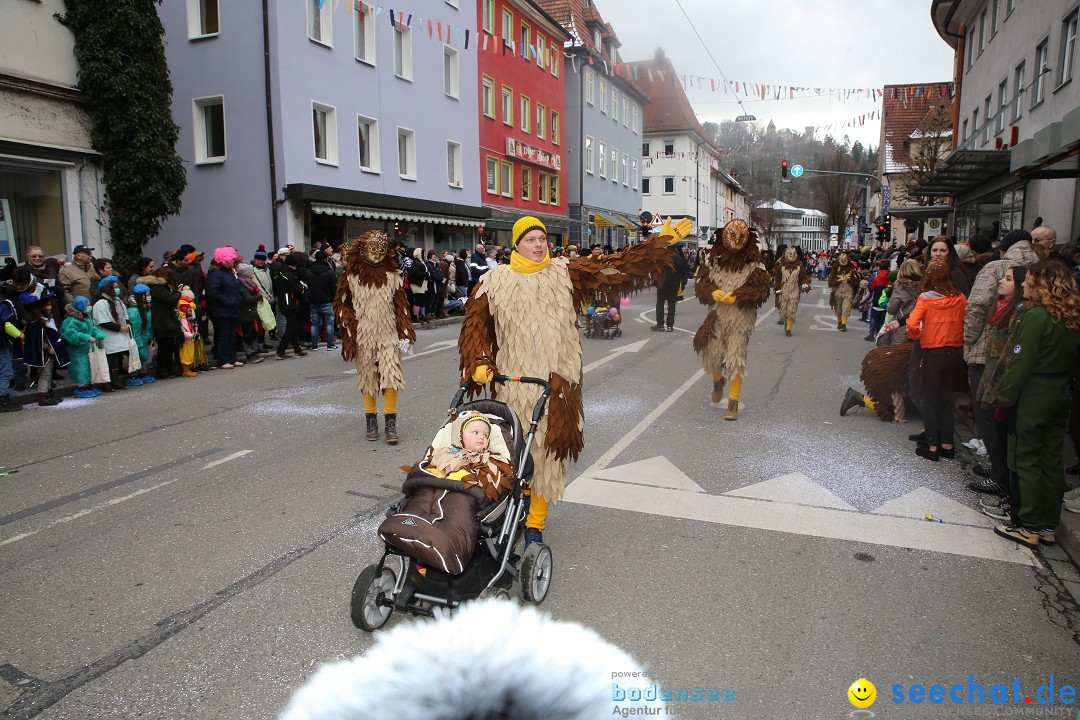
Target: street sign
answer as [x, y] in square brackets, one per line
[834, 229]
[746, 118]
[796, 171]
[657, 221]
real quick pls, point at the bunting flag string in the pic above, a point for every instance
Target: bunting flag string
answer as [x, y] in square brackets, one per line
[461, 36]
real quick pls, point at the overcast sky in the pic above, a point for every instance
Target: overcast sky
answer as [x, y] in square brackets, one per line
[804, 43]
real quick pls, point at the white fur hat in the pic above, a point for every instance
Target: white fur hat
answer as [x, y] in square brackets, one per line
[490, 659]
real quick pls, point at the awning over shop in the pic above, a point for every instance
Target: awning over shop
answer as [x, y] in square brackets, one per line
[626, 223]
[963, 170]
[921, 212]
[601, 220]
[401, 215]
[504, 219]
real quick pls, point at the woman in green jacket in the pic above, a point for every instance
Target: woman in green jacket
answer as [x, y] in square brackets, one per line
[1034, 392]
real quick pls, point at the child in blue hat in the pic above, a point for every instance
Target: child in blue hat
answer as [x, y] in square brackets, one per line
[142, 331]
[79, 331]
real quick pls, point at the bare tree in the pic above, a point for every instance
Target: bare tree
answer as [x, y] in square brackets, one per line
[926, 147]
[836, 194]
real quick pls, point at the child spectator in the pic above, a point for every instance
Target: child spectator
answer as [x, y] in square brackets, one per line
[142, 330]
[42, 345]
[79, 332]
[11, 336]
[111, 316]
[188, 320]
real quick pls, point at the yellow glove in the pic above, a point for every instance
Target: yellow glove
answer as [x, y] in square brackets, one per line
[482, 374]
[677, 231]
[722, 296]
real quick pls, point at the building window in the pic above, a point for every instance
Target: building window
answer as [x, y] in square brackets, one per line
[603, 96]
[526, 40]
[542, 188]
[406, 153]
[590, 95]
[588, 155]
[492, 172]
[971, 48]
[995, 13]
[506, 179]
[645, 190]
[1042, 57]
[614, 104]
[402, 52]
[1009, 4]
[625, 173]
[526, 183]
[964, 135]
[488, 95]
[555, 60]
[1003, 103]
[646, 149]
[669, 185]
[210, 129]
[1018, 83]
[975, 122]
[553, 197]
[526, 114]
[507, 105]
[625, 113]
[603, 160]
[453, 163]
[320, 19]
[324, 125]
[541, 50]
[982, 31]
[507, 26]
[452, 3]
[203, 18]
[988, 105]
[541, 121]
[367, 131]
[598, 41]
[364, 33]
[634, 120]
[1068, 47]
[451, 72]
[489, 16]
[669, 148]
[614, 165]
[611, 53]
[554, 127]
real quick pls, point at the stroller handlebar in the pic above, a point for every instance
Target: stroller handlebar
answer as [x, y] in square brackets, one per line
[538, 410]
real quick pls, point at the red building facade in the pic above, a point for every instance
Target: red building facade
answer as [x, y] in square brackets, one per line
[522, 117]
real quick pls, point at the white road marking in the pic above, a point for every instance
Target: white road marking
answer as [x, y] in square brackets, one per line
[87, 511]
[920, 501]
[612, 354]
[794, 488]
[227, 458]
[798, 519]
[657, 471]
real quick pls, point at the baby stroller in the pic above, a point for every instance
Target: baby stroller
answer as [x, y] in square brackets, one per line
[603, 322]
[402, 582]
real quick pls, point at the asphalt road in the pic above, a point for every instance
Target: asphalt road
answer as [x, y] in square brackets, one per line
[187, 549]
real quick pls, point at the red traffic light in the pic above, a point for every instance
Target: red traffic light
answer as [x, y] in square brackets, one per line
[881, 228]
[783, 168]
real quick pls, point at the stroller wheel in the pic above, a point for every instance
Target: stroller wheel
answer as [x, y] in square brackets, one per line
[495, 592]
[372, 584]
[536, 567]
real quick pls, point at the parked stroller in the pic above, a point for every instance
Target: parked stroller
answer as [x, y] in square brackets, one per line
[417, 570]
[603, 322]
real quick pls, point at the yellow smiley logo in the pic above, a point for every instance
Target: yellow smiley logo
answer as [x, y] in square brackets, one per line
[862, 693]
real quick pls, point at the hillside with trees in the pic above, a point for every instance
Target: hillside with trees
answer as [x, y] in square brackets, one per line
[752, 155]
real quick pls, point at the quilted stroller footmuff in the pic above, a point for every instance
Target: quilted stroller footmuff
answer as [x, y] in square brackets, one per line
[435, 524]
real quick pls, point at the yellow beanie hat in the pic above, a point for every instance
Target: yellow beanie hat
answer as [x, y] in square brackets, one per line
[526, 224]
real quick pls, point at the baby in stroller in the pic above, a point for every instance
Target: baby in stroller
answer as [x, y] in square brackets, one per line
[453, 535]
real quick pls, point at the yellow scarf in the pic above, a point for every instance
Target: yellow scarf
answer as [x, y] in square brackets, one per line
[524, 265]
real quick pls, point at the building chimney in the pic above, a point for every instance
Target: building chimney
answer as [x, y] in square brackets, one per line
[659, 54]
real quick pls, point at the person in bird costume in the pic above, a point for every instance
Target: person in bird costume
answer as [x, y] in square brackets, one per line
[374, 314]
[789, 280]
[733, 283]
[844, 281]
[521, 320]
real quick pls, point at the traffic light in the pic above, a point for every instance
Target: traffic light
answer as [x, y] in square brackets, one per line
[888, 227]
[881, 233]
[784, 168]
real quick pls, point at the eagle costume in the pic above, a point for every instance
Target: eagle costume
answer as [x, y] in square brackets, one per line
[789, 279]
[521, 320]
[734, 283]
[844, 281]
[371, 307]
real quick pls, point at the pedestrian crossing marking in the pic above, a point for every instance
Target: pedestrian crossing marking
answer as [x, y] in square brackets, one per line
[787, 504]
[918, 502]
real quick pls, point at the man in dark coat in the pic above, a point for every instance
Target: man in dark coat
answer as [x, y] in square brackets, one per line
[287, 290]
[667, 291]
[321, 286]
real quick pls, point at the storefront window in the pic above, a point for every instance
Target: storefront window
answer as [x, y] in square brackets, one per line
[1012, 210]
[33, 212]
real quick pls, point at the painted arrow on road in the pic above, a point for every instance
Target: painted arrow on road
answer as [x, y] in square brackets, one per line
[631, 348]
[432, 348]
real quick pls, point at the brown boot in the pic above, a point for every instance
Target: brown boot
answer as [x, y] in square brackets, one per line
[717, 391]
[187, 371]
[372, 426]
[732, 412]
[390, 424]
